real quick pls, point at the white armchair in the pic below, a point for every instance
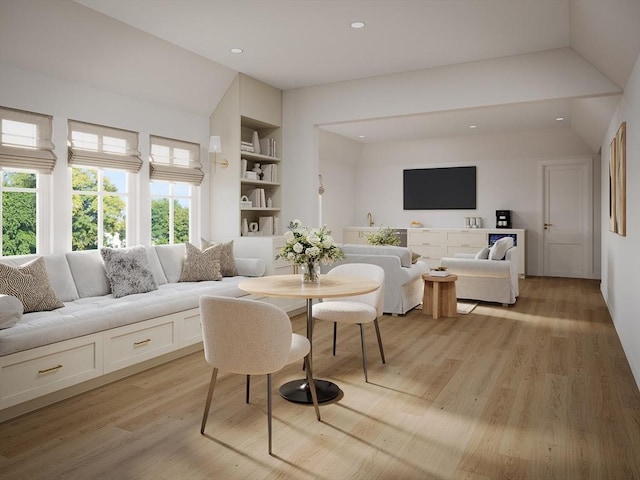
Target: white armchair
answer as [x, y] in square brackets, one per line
[485, 279]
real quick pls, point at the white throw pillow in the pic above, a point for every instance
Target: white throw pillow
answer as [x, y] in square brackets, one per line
[482, 254]
[10, 311]
[499, 249]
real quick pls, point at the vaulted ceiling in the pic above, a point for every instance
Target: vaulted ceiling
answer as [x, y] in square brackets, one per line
[177, 52]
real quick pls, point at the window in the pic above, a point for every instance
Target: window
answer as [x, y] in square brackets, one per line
[19, 212]
[101, 159]
[170, 212]
[175, 173]
[26, 151]
[99, 208]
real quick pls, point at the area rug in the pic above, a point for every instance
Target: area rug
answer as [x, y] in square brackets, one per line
[466, 307]
[462, 307]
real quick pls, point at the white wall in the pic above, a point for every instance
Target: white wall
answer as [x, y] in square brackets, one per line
[40, 93]
[339, 157]
[620, 255]
[507, 179]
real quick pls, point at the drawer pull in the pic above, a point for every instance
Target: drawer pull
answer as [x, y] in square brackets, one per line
[52, 369]
[141, 342]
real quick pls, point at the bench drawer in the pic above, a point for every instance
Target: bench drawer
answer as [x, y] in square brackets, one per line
[191, 329]
[43, 370]
[132, 344]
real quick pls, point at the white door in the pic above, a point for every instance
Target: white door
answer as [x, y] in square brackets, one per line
[568, 223]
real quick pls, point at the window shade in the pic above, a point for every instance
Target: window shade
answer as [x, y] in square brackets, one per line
[25, 141]
[175, 161]
[106, 147]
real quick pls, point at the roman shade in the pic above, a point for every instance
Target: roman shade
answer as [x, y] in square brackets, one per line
[93, 145]
[26, 140]
[175, 161]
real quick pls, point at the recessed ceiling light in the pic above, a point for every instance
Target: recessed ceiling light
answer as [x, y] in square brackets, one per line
[360, 136]
[559, 119]
[357, 24]
[473, 126]
[236, 50]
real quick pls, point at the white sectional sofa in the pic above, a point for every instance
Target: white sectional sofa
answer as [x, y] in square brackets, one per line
[403, 284]
[94, 333]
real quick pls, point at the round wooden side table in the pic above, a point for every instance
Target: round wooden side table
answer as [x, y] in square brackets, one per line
[439, 297]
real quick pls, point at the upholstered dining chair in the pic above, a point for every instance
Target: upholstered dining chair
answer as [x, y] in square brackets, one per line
[250, 338]
[358, 309]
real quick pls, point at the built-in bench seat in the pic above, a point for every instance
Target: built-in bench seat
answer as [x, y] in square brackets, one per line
[153, 323]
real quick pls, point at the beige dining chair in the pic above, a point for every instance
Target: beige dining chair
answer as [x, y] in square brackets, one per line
[358, 309]
[250, 338]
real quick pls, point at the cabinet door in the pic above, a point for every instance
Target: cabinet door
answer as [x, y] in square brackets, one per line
[350, 236]
[467, 238]
[427, 237]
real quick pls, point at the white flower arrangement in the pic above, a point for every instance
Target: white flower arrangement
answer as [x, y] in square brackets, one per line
[308, 246]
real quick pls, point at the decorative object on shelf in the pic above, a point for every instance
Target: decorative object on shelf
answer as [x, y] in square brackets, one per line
[258, 171]
[269, 202]
[467, 222]
[266, 225]
[307, 248]
[256, 142]
[245, 202]
[245, 227]
[416, 224]
[472, 222]
[251, 175]
[384, 236]
[253, 227]
[215, 147]
[478, 222]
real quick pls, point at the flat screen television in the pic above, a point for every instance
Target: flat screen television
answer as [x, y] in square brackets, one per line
[450, 188]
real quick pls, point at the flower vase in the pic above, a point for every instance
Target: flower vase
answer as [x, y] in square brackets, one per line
[310, 272]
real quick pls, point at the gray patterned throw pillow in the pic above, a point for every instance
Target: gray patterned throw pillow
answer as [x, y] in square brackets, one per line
[128, 271]
[29, 283]
[227, 260]
[201, 265]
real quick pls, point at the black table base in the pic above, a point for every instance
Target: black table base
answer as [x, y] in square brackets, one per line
[298, 391]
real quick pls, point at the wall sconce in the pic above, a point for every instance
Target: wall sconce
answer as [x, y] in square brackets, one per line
[215, 146]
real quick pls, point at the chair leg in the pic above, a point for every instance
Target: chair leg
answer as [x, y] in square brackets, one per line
[248, 385]
[269, 409]
[312, 387]
[335, 334]
[212, 385]
[375, 322]
[364, 353]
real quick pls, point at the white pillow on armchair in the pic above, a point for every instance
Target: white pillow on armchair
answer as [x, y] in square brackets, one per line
[499, 249]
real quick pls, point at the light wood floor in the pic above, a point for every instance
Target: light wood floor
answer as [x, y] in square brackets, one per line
[540, 390]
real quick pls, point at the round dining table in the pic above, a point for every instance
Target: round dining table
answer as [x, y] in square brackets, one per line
[291, 286]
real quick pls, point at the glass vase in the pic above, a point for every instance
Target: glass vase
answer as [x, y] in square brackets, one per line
[310, 272]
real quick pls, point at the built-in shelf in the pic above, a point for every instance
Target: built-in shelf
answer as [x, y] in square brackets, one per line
[244, 181]
[259, 209]
[258, 157]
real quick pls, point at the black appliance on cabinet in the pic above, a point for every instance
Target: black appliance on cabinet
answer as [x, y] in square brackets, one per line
[503, 218]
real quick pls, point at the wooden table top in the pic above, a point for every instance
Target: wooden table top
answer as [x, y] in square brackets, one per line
[452, 277]
[291, 286]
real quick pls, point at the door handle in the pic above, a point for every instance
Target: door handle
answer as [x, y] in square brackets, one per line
[547, 225]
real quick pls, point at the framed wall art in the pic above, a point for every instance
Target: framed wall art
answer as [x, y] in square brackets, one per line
[618, 182]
